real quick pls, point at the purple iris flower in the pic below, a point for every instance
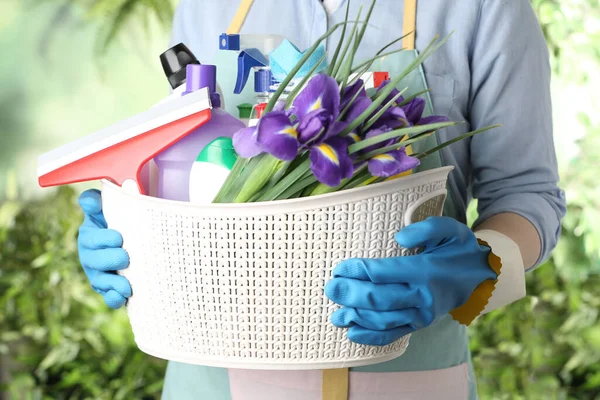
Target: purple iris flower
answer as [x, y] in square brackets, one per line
[410, 114]
[392, 162]
[330, 161]
[310, 124]
[414, 113]
[351, 91]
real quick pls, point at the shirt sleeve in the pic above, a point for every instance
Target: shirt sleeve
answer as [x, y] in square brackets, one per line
[514, 166]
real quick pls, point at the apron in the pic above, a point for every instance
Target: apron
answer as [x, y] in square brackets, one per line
[437, 362]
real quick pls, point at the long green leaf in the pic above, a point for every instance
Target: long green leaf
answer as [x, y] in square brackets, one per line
[261, 174]
[411, 98]
[364, 27]
[286, 182]
[321, 188]
[340, 43]
[380, 54]
[363, 144]
[285, 165]
[298, 186]
[348, 67]
[376, 117]
[456, 139]
[234, 183]
[383, 94]
[342, 59]
[358, 180]
[395, 146]
[367, 65]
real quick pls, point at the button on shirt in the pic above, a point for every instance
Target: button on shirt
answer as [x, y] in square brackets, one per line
[493, 70]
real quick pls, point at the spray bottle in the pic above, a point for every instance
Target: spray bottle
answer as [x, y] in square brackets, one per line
[253, 60]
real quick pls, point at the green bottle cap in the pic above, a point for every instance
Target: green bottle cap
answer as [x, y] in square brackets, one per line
[219, 152]
[245, 110]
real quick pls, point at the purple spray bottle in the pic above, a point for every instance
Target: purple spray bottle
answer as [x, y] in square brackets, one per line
[175, 163]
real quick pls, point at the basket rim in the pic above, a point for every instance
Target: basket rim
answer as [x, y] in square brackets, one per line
[298, 204]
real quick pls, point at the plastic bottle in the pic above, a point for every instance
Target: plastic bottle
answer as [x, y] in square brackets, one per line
[174, 62]
[175, 163]
[210, 170]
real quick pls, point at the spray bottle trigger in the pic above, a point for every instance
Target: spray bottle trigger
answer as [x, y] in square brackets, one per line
[247, 60]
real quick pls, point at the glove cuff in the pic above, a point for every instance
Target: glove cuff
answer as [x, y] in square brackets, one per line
[480, 297]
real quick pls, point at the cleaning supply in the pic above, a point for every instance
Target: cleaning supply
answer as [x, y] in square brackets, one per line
[175, 163]
[210, 170]
[174, 63]
[253, 52]
[118, 153]
[244, 109]
[272, 58]
[253, 60]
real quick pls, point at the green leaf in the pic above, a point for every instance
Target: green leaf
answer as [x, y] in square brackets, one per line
[395, 146]
[380, 54]
[385, 92]
[42, 260]
[376, 117]
[340, 43]
[297, 187]
[286, 182]
[457, 139]
[396, 133]
[235, 179]
[411, 98]
[343, 60]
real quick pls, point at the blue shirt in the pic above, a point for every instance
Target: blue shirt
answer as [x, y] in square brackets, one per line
[493, 70]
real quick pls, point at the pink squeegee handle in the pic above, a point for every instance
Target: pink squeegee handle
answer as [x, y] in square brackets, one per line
[125, 160]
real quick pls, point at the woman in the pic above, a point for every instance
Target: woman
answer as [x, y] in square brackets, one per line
[494, 69]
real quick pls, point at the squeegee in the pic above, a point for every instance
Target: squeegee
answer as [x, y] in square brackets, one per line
[119, 152]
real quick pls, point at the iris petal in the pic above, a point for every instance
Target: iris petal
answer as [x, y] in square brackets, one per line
[335, 129]
[433, 119]
[312, 124]
[277, 136]
[392, 163]
[245, 143]
[393, 117]
[414, 110]
[321, 92]
[351, 91]
[330, 162]
[393, 94]
[357, 108]
[376, 132]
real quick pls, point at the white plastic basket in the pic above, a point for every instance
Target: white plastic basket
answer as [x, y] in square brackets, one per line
[241, 285]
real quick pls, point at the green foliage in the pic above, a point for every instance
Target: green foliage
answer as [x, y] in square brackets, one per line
[65, 343]
[548, 346]
[115, 17]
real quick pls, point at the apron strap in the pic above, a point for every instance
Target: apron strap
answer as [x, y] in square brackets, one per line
[335, 384]
[240, 16]
[410, 24]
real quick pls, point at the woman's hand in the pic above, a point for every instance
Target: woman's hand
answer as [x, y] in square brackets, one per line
[385, 299]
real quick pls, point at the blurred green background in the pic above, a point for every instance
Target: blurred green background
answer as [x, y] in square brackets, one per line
[73, 66]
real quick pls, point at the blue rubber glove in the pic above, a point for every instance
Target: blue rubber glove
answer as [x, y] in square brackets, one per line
[385, 299]
[100, 252]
